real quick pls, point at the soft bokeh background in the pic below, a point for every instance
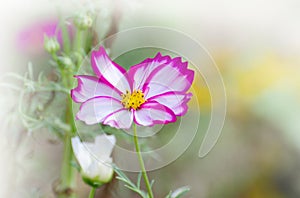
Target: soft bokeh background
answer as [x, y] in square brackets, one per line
[256, 46]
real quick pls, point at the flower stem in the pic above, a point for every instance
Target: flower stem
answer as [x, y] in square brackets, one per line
[78, 40]
[68, 173]
[92, 192]
[142, 165]
[65, 38]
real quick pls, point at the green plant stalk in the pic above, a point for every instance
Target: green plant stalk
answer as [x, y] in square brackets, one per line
[68, 172]
[142, 165]
[66, 38]
[92, 192]
[78, 40]
[79, 46]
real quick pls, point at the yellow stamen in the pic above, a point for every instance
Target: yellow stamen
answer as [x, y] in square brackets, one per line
[133, 100]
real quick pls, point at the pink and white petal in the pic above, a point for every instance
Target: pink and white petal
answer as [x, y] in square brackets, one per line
[121, 119]
[90, 87]
[95, 110]
[152, 113]
[173, 76]
[176, 101]
[105, 68]
[140, 72]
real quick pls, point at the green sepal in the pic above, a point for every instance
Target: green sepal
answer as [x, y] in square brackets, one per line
[93, 182]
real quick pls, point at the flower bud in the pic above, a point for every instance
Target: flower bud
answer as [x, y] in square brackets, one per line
[66, 61]
[84, 21]
[51, 44]
[94, 159]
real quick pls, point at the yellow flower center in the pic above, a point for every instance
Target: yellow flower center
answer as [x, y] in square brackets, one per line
[133, 100]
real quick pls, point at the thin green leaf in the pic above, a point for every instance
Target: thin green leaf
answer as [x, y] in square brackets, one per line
[138, 183]
[123, 180]
[129, 184]
[180, 192]
[135, 190]
[123, 176]
[152, 182]
[169, 195]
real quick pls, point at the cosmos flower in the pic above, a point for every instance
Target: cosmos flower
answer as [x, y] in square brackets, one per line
[94, 159]
[151, 92]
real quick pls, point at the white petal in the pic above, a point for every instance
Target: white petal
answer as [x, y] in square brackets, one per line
[96, 109]
[120, 119]
[175, 101]
[90, 87]
[99, 171]
[168, 78]
[152, 113]
[104, 67]
[104, 145]
[94, 157]
[105, 171]
[140, 72]
[81, 153]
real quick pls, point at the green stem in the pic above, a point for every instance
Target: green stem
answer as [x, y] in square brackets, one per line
[61, 69]
[92, 192]
[79, 46]
[78, 40]
[68, 173]
[65, 38]
[142, 165]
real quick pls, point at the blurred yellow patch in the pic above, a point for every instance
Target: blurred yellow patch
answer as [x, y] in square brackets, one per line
[261, 75]
[201, 95]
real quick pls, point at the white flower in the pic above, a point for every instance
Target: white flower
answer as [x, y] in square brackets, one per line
[94, 159]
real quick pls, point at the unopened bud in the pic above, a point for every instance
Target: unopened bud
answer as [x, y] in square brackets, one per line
[96, 168]
[66, 61]
[84, 21]
[51, 44]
